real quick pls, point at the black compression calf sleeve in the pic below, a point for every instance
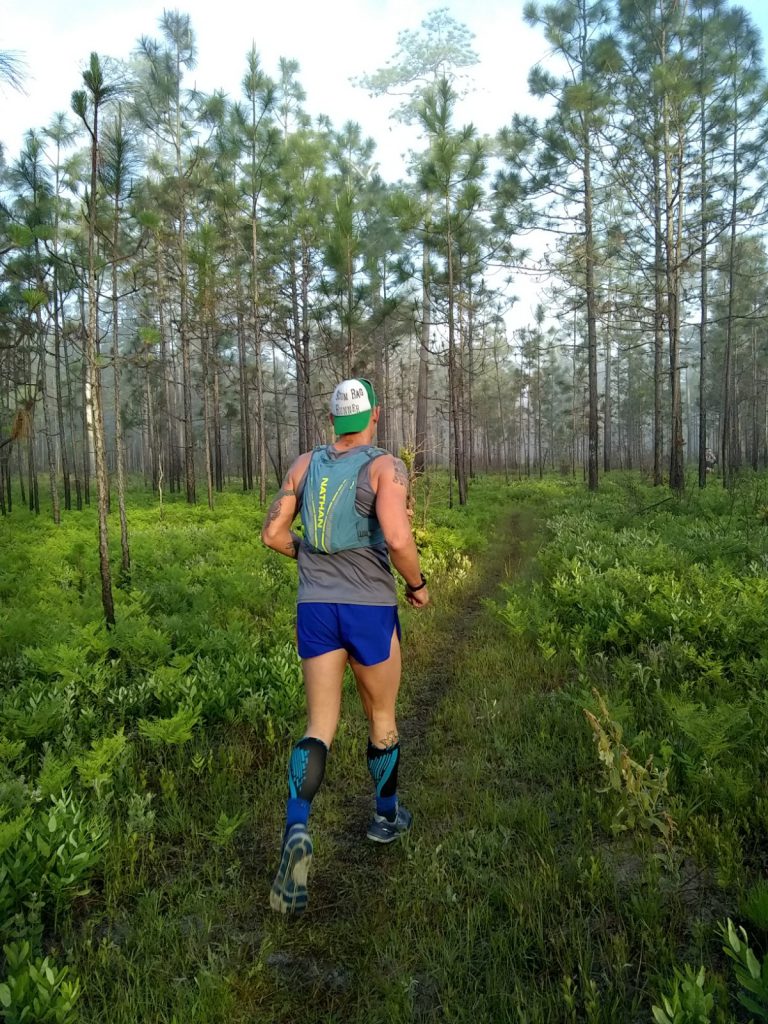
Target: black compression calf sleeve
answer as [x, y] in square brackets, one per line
[383, 765]
[307, 767]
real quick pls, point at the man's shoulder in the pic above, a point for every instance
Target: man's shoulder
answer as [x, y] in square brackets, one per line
[381, 459]
[299, 466]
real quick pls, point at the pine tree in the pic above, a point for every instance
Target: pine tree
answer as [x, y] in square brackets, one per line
[88, 104]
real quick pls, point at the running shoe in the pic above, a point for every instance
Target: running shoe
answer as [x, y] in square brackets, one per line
[382, 830]
[289, 889]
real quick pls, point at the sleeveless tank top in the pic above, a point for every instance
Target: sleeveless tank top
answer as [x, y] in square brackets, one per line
[357, 575]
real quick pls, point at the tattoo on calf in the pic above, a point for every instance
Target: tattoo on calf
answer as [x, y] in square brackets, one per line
[388, 741]
[401, 473]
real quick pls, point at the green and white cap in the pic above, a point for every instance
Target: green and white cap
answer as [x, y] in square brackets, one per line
[352, 403]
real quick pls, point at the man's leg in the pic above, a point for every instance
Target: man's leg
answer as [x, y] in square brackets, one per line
[378, 687]
[323, 677]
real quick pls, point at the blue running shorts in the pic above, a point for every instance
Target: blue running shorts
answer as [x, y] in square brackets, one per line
[363, 630]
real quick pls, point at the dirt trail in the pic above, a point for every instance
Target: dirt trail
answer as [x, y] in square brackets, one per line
[426, 686]
[455, 630]
[350, 884]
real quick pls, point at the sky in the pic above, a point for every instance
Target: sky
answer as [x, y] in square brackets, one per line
[333, 41]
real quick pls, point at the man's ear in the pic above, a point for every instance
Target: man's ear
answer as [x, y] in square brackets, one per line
[375, 413]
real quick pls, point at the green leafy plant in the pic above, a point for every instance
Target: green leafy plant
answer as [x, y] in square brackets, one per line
[55, 773]
[35, 991]
[751, 975]
[10, 750]
[641, 789]
[226, 828]
[171, 731]
[11, 830]
[690, 999]
[53, 855]
[755, 905]
[97, 765]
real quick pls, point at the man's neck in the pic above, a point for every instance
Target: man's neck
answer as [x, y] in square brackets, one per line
[365, 437]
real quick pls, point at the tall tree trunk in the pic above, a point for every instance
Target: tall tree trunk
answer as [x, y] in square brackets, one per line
[245, 402]
[384, 438]
[207, 415]
[311, 431]
[589, 251]
[674, 204]
[607, 408]
[94, 376]
[470, 440]
[658, 323]
[301, 380]
[32, 482]
[256, 314]
[184, 337]
[422, 389]
[501, 411]
[57, 360]
[754, 440]
[125, 557]
[85, 383]
[218, 453]
[47, 417]
[171, 460]
[539, 432]
[727, 448]
[151, 433]
[454, 379]
[278, 416]
[72, 431]
[703, 278]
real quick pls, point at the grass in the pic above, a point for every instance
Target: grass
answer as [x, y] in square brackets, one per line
[516, 898]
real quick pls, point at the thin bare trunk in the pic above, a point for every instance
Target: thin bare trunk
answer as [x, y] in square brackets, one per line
[422, 389]
[125, 559]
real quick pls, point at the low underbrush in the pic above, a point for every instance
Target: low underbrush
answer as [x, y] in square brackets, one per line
[651, 610]
[131, 759]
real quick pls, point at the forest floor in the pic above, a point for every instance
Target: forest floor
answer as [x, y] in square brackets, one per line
[538, 885]
[356, 955]
[389, 932]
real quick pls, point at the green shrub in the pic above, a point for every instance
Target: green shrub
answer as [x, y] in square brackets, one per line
[35, 991]
[689, 1001]
[751, 975]
[51, 856]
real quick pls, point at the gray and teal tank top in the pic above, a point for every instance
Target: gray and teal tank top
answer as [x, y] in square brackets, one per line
[359, 573]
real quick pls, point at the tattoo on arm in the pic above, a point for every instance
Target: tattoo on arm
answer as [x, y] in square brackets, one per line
[401, 473]
[274, 511]
[274, 508]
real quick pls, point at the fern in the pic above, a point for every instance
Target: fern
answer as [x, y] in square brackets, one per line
[95, 767]
[171, 731]
[711, 730]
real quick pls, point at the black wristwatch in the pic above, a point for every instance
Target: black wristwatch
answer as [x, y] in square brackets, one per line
[420, 586]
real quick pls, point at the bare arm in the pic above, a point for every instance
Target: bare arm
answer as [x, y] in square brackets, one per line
[391, 484]
[276, 531]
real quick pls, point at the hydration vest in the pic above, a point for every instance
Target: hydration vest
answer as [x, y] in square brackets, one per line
[328, 512]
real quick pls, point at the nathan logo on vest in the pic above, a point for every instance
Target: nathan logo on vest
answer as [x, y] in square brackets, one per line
[321, 501]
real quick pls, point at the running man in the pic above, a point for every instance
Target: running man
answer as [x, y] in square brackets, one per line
[352, 500]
